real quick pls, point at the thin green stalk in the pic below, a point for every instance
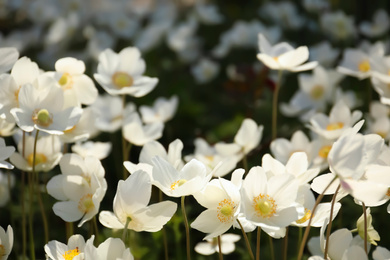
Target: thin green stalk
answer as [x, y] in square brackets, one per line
[258, 243]
[275, 106]
[183, 210]
[219, 248]
[24, 233]
[299, 237]
[365, 228]
[285, 245]
[31, 217]
[245, 163]
[69, 230]
[125, 230]
[307, 230]
[271, 247]
[164, 232]
[96, 241]
[330, 222]
[248, 245]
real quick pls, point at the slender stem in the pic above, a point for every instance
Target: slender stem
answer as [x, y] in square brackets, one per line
[31, 217]
[43, 213]
[248, 246]
[365, 227]
[24, 233]
[245, 163]
[219, 248]
[183, 210]
[125, 230]
[307, 230]
[164, 232]
[299, 237]
[330, 223]
[271, 247]
[275, 106]
[96, 230]
[69, 230]
[285, 245]
[258, 243]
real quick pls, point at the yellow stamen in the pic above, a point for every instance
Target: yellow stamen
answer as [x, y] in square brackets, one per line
[264, 206]
[388, 193]
[317, 92]
[70, 130]
[364, 66]
[42, 117]
[86, 203]
[306, 217]
[39, 158]
[226, 210]
[70, 254]
[178, 183]
[2, 251]
[122, 79]
[334, 126]
[382, 134]
[324, 151]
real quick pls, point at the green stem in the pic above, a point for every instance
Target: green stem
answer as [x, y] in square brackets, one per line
[125, 230]
[285, 245]
[96, 241]
[164, 232]
[271, 247]
[31, 217]
[307, 230]
[275, 106]
[248, 245]
[365, 227]
[183, 210]
[24, 233]
[245, 163]
[299, 237]
[258, 243]
[330, 223]
[69, 230]
[219, 248]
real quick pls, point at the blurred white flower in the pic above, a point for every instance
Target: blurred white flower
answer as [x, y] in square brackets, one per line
[99, 150]
[5, 153]
[338, 25]
[205, 70]
[8, 57]
[6, 242]
[211, 246]
[121, 73]
[163, 110]
[324, 53]
[284, 14]
[381, 253]
[379, 25]
[283, 56]
[208, 13]
[5, 185]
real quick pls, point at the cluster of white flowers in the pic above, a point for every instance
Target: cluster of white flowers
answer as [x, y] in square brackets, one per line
[55, 122]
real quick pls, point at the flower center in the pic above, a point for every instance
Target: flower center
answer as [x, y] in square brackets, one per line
[382, 134]
[16, 93]
[388, 193]
[226, 209]
[334, 126]
[122, 79]
[324, 151]
[178, 183]
[364, 66]
[2, 251]
[39, 158]
[317, 92]
[66, 81]
[306, 217]
[86, 203]
[264, 206]
[71, 253]
[42, 117]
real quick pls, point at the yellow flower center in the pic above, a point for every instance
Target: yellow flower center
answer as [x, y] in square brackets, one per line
[364, 66]
[306, 217]
[122, 79]
[86, 203]
[334, 126]
[226, 210]
[317, 92]
[16, 93]
[178, 183]
[42, 117]
[388, 193]
[264, 206]
[71, 253]
[66, 81]
[39, 158]
[382, 134]
[324, 151]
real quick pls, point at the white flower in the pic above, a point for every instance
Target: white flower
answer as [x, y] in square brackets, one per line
[381, 253]
[76, 249]
[283, 56]
[208, 13]
[222, 200]
[130, 206]
[205, 70]
[121, 73]
[6, 242]
[211, 246]
[5, 185]
[5, 153]
[41, 108]
[99, 150]
[83, 130]
[163, 110]
[190, 179]
[380, 24]
[8, 57]
[324, 53]
[78, 88]
[48, 153]
[283, 13]
[135, 132]
[338, 26]
[113, 249]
